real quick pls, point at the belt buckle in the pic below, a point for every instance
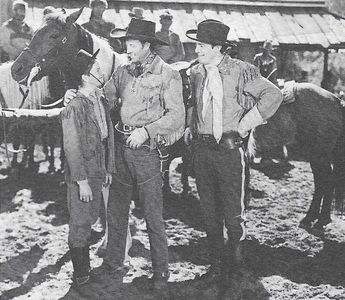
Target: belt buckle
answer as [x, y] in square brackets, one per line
[126, 127]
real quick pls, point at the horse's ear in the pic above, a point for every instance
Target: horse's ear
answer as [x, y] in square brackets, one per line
[73, 17]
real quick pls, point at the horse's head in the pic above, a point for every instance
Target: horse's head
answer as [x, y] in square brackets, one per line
[54, 41]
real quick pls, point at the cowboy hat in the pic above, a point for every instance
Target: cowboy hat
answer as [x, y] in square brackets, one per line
[210, 32]
[94, 3]
[166, 15]
[19, 3]
[136, 12]
[84, 60]
[139, 29]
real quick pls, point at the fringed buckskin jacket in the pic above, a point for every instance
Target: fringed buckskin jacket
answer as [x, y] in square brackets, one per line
[152, 99]
[87, 154]
[244, 89]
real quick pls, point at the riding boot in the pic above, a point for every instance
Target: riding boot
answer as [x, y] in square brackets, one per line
[86, 257]
[240, 277]
[81, 265]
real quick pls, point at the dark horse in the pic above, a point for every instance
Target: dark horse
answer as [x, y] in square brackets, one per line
[315, 121]
[54, 47]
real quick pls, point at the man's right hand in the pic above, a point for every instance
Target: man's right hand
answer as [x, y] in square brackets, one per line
[69, 96]
[85, 192]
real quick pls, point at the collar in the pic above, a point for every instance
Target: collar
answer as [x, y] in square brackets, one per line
[149, 65]
[223, 66]
[97, 20]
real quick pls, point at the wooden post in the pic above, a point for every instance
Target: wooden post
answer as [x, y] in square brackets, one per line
[325, 79]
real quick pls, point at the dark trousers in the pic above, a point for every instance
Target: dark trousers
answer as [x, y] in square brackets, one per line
[82, 214]
[220, 179]
[139, 167]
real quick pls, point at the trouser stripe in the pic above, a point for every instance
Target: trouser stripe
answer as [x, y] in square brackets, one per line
[243, 213]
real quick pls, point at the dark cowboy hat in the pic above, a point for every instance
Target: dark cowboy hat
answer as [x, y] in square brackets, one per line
[85, 60]
[139, 29]
[210, 32]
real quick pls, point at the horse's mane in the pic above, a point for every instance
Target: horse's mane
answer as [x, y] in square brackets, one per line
[58, 17]
[61, 17]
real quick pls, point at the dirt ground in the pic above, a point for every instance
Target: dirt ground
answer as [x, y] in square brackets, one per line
[285, 262]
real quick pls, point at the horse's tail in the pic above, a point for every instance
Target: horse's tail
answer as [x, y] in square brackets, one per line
[339, 169]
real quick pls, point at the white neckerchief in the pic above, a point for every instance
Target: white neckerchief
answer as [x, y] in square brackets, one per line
[213, 91]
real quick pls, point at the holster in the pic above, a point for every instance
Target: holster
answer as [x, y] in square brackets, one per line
[231, 140]
[163, 152]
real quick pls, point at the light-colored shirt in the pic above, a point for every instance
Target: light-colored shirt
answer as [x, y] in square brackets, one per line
[153, 99]
[243, 89]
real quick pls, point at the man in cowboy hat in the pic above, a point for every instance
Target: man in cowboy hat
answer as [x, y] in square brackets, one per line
[174, 52]
[136, 12]
[267, 63]
[15, 33]
[230, 98]
[151, 114]
[99, 26]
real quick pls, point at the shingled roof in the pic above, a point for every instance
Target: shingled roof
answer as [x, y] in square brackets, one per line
[294, 24]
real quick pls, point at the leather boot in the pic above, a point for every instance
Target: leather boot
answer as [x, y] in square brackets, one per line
[81, 265]
[160, 285]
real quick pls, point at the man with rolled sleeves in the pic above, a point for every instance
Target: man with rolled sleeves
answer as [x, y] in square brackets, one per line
[148, 96]
[230, 99]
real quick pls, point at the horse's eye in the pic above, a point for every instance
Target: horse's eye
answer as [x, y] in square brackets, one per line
[54, 36]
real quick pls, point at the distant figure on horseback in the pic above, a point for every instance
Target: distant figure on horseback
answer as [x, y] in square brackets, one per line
[266, 62]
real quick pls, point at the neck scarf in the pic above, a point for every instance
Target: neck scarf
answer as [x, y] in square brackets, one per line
[213, 93]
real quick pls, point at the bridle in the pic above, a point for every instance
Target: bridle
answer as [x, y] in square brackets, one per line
[38, 63]
[55, 49]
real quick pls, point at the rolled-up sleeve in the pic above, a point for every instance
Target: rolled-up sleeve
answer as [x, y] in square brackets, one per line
[268, 96]
[71, 129]
[174, 116]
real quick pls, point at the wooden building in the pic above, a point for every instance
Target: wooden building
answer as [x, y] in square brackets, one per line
[291, 24]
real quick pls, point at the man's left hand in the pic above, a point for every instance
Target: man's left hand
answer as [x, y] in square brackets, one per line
[137, 138]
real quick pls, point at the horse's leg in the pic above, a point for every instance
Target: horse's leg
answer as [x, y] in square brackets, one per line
[44, 139]
[30, 147]
[62, 156]
[314, 209]
[16, 145]
[327, 188]
[186, 165]
[52, 141]
[339, 175]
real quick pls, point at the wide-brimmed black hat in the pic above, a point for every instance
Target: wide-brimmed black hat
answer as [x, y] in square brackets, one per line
[211, 32]
[139, 29]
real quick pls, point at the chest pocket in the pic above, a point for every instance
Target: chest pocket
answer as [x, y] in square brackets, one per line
[151, 87]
